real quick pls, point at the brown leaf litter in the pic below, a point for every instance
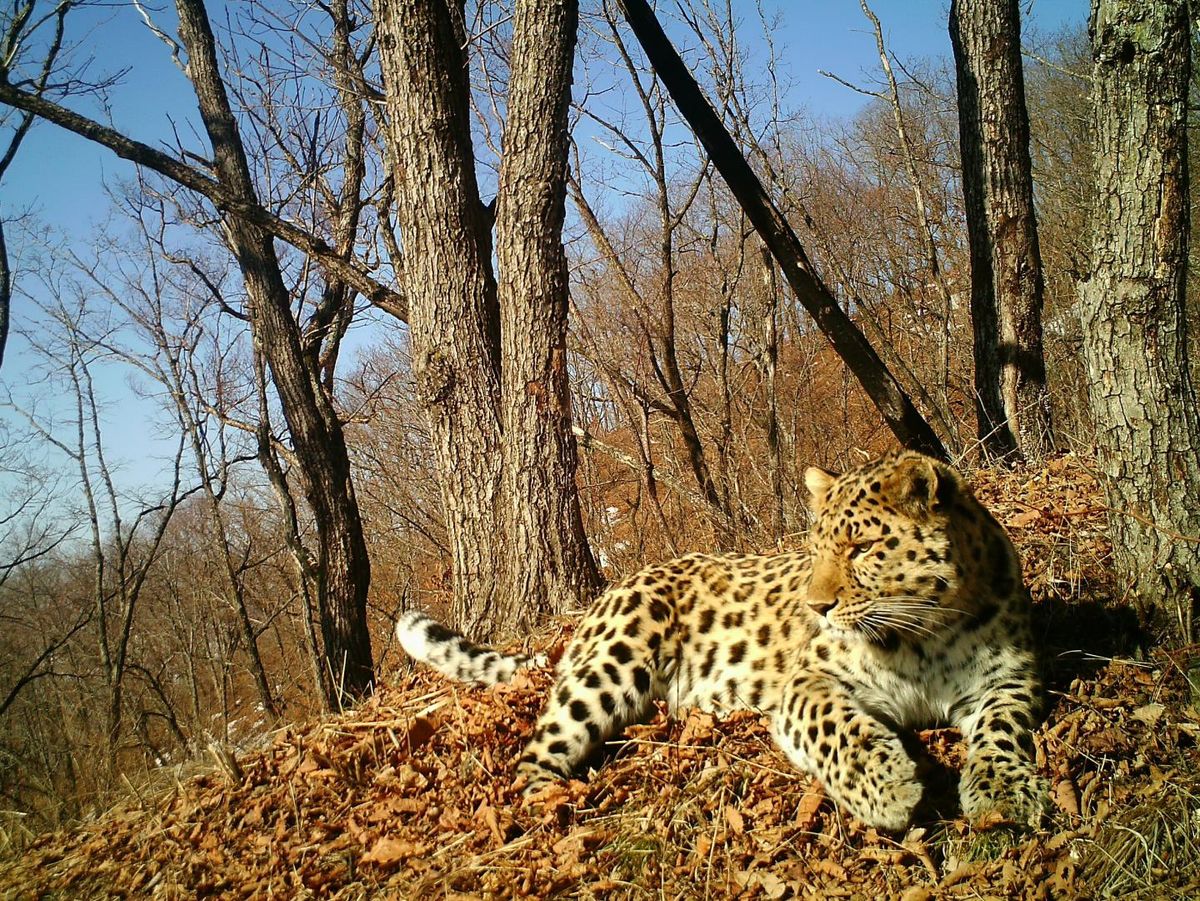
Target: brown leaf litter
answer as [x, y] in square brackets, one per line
[410, 796]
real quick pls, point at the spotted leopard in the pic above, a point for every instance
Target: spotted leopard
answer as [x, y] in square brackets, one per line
[907, 610]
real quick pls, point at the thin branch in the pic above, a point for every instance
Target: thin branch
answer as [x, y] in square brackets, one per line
[350, 271]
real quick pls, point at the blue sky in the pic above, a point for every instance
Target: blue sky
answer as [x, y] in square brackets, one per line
[61, 178]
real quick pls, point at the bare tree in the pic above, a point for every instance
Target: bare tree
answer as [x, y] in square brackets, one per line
[19, 24]
[544, 522]
[175, 340]
[1012, 401]
[343, 568]
[453, 317]
[32, 528]
[124, 538]
[461, 325]
[1133, 306]
[893, 403]
[655, 300]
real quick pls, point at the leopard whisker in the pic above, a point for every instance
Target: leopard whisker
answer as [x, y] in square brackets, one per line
[921, 605]
[901, 621]
[869, 630]
[902, 626]
[914, 600]
[912, 610]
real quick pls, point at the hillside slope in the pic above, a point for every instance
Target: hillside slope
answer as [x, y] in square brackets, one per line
[409, 796]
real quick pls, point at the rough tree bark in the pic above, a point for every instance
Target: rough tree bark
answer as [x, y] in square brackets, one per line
[502, 446]
[453, 317]
[544, 523]
[1135, 328]
[343, 569]
[905, 421]
[1012, 401]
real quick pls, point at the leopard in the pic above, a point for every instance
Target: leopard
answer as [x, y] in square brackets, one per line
[907, 609]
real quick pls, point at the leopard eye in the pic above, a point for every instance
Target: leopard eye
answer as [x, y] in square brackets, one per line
[859, 549]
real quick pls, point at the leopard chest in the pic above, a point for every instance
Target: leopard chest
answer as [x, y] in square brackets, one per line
[925, 684]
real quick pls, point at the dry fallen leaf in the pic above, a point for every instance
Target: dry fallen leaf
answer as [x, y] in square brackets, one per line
[388, 852]
[1149, 713]
[735, 819]
[1066, 797]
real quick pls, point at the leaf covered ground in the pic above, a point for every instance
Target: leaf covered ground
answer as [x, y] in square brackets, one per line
[409, 796]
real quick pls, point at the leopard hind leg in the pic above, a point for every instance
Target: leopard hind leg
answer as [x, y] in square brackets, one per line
[606, 682]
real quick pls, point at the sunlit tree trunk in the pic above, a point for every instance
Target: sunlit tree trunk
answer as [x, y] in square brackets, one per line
[453, 316]
[343, 568]
[1012, 402]
[1134, 319]
[544, 531]
[502, 444]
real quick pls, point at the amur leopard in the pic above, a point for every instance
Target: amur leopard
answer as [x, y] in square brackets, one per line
[907, 610]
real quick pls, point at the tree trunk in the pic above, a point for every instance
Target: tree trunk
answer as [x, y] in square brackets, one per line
[544, 524]
[453, 315]
[343, 568]
[1135, 328]
[1012, 403]
[906, 423]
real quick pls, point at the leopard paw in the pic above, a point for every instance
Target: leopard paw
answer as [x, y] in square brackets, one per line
[893, 806]
[1001, 792]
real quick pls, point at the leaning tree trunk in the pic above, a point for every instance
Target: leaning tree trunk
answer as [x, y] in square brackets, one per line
[452, 313]
[1135, 327]
[897, 409]
[544, 524]
[343, 568]
[1012, 402]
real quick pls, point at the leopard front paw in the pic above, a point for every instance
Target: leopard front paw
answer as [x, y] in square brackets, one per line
[890, 792]
[532, 777]
[1002, 791]
[891, 806]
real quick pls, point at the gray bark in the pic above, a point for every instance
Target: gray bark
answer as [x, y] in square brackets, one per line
[546, 539]
[1012, 401]
[502, 444]
[343, 568]
[453, 316]
[1133, 306]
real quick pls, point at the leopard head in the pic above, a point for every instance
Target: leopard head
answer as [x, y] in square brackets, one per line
[902, 550]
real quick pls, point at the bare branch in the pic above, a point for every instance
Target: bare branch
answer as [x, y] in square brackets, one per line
[350, 271]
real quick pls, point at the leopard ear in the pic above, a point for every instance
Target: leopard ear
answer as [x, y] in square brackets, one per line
[818, 481]
[918, 484]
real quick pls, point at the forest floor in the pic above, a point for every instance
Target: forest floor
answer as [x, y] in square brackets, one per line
[409, 796]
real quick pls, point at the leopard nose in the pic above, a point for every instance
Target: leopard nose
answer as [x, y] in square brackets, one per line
[821, 606]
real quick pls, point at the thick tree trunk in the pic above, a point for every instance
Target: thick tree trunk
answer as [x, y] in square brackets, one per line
[906, 423]
[502, 444]
[343, 569]
[453, 315]
[1135, 327]
[1012, 403]
[544, 523]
